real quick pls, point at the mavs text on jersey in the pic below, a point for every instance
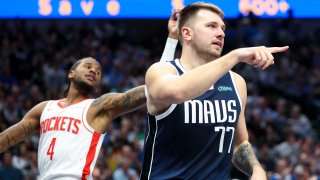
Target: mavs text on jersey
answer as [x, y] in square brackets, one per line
[194, 139]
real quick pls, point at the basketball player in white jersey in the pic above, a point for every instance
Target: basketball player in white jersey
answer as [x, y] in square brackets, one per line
[72, 129]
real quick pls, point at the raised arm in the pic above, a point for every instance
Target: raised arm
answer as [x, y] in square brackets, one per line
[243, 155]
[23, 129]
[172, 40]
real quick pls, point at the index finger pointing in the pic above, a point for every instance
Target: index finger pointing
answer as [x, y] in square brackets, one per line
[278, 49]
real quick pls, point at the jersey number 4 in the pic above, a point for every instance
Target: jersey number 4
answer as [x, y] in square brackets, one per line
[50, 151]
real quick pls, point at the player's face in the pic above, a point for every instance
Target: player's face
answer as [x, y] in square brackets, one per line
[87, 75]
[208, 39]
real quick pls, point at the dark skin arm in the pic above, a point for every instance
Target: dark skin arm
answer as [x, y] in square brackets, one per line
[111, 105]
[23, 129]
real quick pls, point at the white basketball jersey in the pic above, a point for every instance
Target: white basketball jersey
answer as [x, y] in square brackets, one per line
[68, 147]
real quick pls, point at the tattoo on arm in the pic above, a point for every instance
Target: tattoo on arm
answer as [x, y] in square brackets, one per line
[122, 102]
[14, 135]
[2, 143]
[128, 101]
[99, 100]
[112, 101]
[134, 98]
[125, 103]
[245, 159]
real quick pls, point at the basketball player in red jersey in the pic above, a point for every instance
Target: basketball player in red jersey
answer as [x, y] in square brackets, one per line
[72, 129]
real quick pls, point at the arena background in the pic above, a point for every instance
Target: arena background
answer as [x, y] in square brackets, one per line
[40, 39]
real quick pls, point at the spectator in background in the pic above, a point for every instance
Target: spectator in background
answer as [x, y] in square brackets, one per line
[7, 80]
[7, 170]
[10, 112]
[290, 149]
[299, 122]
[281, 115]
[54, 76]
[264, 111]
[127, 152]
[102, 171]
[124, 171]
[283, 171]
[33, 171]
[263, 155]
[22, 159]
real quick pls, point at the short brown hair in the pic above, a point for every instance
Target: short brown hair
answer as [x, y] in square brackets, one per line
[191, 10]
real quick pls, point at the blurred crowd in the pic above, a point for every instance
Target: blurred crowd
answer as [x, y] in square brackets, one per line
[282, 106]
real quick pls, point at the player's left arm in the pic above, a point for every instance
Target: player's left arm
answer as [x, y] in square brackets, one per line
[116, 104]
[244, 157]
[172, 40]
[111, 105]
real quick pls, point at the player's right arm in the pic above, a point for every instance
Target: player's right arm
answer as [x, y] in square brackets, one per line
[23, 129]
[165, 87]
[173, 24]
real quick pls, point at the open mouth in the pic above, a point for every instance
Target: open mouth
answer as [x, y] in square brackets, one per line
[90, 77]
[217, 43]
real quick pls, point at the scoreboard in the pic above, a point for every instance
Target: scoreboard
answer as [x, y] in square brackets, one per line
[151, 8]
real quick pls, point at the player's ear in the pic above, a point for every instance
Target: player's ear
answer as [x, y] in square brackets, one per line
[186, 33]
[71, 74]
